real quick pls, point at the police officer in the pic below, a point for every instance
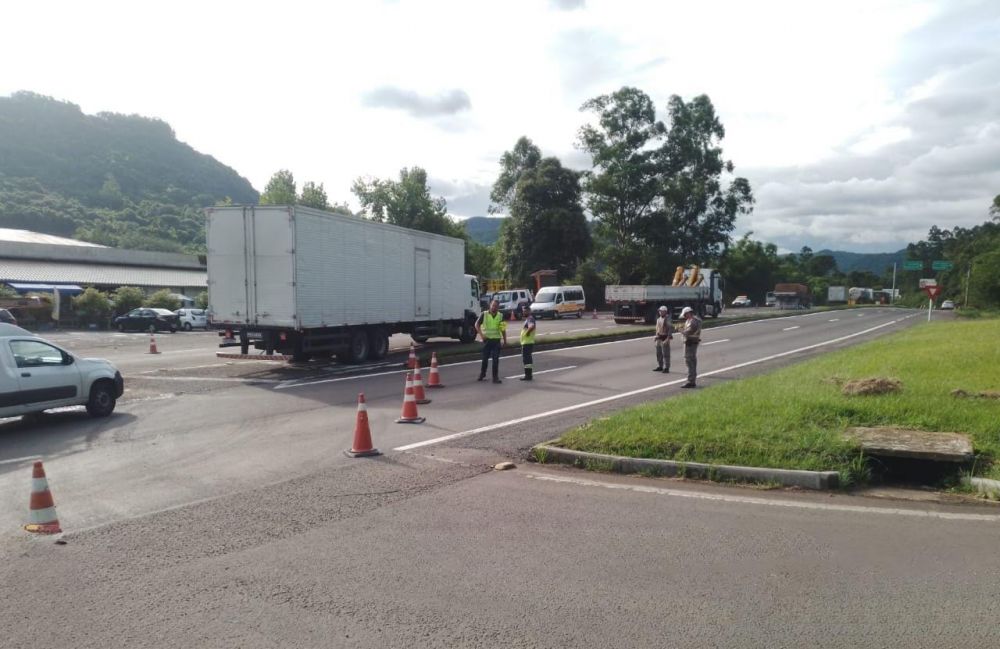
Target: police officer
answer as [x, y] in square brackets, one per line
[691, 330]
[663, 337]
[527, 341]
[493, 330]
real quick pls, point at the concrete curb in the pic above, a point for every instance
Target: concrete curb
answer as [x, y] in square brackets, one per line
[985, 486]
[618, 464]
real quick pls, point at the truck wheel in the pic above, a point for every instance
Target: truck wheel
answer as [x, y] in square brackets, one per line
[358, 352]
[420, 340]
[102, 400]
[378, 343]
[468, 334]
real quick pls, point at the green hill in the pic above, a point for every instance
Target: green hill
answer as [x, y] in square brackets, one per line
[876, 262]
[120, 180]
[483, 229]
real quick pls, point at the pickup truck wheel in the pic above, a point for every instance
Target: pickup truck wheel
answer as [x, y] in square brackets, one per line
[102, 399]
[187, 326]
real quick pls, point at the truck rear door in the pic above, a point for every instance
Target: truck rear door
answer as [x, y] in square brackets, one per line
[228, 253]
[273, 266]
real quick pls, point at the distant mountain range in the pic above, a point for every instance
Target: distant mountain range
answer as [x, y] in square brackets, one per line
[484, 229]
[875, 262]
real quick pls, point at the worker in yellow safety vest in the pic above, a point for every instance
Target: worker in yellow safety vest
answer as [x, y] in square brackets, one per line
[492, 328]
[527, 341]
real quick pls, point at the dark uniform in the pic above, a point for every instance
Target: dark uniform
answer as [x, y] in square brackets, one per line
[527, 345]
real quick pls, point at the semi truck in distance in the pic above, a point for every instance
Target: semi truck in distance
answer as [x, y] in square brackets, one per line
[308, 283]
[792, 296]
[699, 288]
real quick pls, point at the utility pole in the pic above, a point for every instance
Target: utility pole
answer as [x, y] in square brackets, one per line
[892, 296]
[968, 276]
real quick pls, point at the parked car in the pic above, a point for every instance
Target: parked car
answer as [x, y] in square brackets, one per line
[192, 318]
[512, 301]
[145, 319]
[7, 316]
[742, 300]
[948, 304]
[484, 300]
[36, 375]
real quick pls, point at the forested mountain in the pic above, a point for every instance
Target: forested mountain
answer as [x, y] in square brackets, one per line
[483, 229]
[119, 180]
[876, 262]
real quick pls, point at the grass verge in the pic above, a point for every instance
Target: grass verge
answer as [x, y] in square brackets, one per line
[793, 418]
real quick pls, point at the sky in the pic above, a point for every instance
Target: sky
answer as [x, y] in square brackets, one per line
[859, 123]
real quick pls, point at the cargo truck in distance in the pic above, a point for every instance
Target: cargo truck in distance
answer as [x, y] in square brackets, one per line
[700, 289]
[308, 283]
[793, 296]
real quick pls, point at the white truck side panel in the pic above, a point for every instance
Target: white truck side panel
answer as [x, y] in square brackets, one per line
[303, 268]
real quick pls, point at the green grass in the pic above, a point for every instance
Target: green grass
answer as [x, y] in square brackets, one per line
[792, 418]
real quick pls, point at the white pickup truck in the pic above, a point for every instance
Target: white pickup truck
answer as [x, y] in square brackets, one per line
[37, 375]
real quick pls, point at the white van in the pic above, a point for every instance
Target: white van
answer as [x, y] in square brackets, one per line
[559, 301]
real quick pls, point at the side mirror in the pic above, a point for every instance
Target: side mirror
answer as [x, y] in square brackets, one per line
[67, 359]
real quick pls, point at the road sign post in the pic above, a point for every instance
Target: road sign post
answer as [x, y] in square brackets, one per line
[932, 290]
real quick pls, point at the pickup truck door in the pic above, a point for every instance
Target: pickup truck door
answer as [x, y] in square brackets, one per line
[47, 376]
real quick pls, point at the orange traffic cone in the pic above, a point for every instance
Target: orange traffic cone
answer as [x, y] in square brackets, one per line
[418, 387]
[152, 344]
[362, 446]
[434, 379]
[411, 362]
[410, 415]
[43, 509]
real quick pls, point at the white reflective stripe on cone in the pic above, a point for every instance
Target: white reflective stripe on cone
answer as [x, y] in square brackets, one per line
[42, 516]
[39, 485]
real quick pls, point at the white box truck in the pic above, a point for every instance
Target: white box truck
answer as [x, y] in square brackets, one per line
[633, 303]
[309, 283]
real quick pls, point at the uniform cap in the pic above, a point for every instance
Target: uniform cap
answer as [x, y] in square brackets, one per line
[663, 309]
[686, 310]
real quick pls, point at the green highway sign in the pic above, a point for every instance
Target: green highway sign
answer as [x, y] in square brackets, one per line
[941, 265]
[913, 265]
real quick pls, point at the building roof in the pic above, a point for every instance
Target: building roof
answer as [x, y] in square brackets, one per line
[30, 271]
[26, 236]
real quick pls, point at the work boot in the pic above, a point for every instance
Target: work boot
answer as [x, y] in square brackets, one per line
[527, 375]
[496, 379]
[666, 370]
[689, 385]
[657, 369]
[482, 377]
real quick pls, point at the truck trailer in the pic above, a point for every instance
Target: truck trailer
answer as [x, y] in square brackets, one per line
[634, 303]
[309, 283]
[793, 296]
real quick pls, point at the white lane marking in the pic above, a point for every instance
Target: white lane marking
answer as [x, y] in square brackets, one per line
[767, 502]
[861, 315]
[16, 460]
[835, 320]
[715, 342]
[555, 369]
[295, 383]
[632, 393]
[218, 379]
[587, 329]
[790, 328]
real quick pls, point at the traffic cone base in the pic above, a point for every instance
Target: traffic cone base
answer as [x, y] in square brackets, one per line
[409, 414]
[42, 507]
[434, 378]
[362, 446]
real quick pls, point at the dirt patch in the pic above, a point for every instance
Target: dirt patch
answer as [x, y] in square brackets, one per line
[874, 385]
[985, 394]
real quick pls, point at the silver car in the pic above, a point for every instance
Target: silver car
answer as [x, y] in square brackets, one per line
[192, 318]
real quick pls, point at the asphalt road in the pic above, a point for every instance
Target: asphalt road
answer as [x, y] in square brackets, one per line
[216, 508]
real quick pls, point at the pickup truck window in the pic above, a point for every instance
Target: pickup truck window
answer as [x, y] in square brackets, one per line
[32, 353]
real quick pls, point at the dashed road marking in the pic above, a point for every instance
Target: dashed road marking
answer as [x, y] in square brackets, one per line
[790, 328]
[715, 342]
[554, 369]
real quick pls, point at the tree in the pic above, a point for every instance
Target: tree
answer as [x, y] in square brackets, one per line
[280, 189]
[995, 208]
[513, 164]
[126, 298]
[750, 268]
[546, 227]
[314, 195]
[201, 301]
[92, 306]
[698, 209]
[623, 186]
[163, 299]
[480, 259]
[406, 202]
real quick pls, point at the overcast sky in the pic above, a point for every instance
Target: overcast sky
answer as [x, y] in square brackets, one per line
[859, 123]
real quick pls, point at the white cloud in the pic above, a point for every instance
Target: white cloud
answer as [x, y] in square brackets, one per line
[859, 123]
